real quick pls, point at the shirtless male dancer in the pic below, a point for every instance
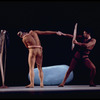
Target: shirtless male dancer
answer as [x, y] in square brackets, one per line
[32, 42]
[82, 53]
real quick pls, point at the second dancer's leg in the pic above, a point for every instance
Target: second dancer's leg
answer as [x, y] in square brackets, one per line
[72, 66]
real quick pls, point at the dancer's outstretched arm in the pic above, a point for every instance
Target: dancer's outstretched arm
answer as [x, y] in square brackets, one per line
[71, 36]
[46, 32]
[68, 35]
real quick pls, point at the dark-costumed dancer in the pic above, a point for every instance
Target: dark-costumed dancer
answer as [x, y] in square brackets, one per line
[82, 54]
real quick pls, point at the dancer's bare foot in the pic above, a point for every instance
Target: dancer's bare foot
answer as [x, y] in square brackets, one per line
[3, 86]
[30, 86]
[92, 84]
[41, 85]
[61, 85]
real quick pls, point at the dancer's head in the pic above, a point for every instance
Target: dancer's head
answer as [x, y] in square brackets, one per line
[20, 34]
[87, 33]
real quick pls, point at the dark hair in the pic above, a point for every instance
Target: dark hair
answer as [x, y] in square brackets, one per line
[88, 30]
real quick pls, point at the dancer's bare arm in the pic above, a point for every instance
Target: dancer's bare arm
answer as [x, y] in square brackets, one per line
[68, 35]
[91, 43]
[45, 32]
[71, 36]
[53, 32]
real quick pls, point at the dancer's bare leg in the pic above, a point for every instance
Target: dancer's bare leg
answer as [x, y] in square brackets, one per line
[40, 75]
[31, 61]
[72, 66]
[92, 67]
[39, 66]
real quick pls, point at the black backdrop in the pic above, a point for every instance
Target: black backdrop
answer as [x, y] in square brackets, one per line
[54, 16]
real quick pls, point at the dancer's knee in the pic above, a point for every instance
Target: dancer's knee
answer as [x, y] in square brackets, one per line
[93, 69]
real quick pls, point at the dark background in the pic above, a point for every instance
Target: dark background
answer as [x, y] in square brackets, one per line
[54, 16]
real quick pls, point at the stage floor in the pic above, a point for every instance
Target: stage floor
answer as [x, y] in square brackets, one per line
[50, 88]
[68, 91]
